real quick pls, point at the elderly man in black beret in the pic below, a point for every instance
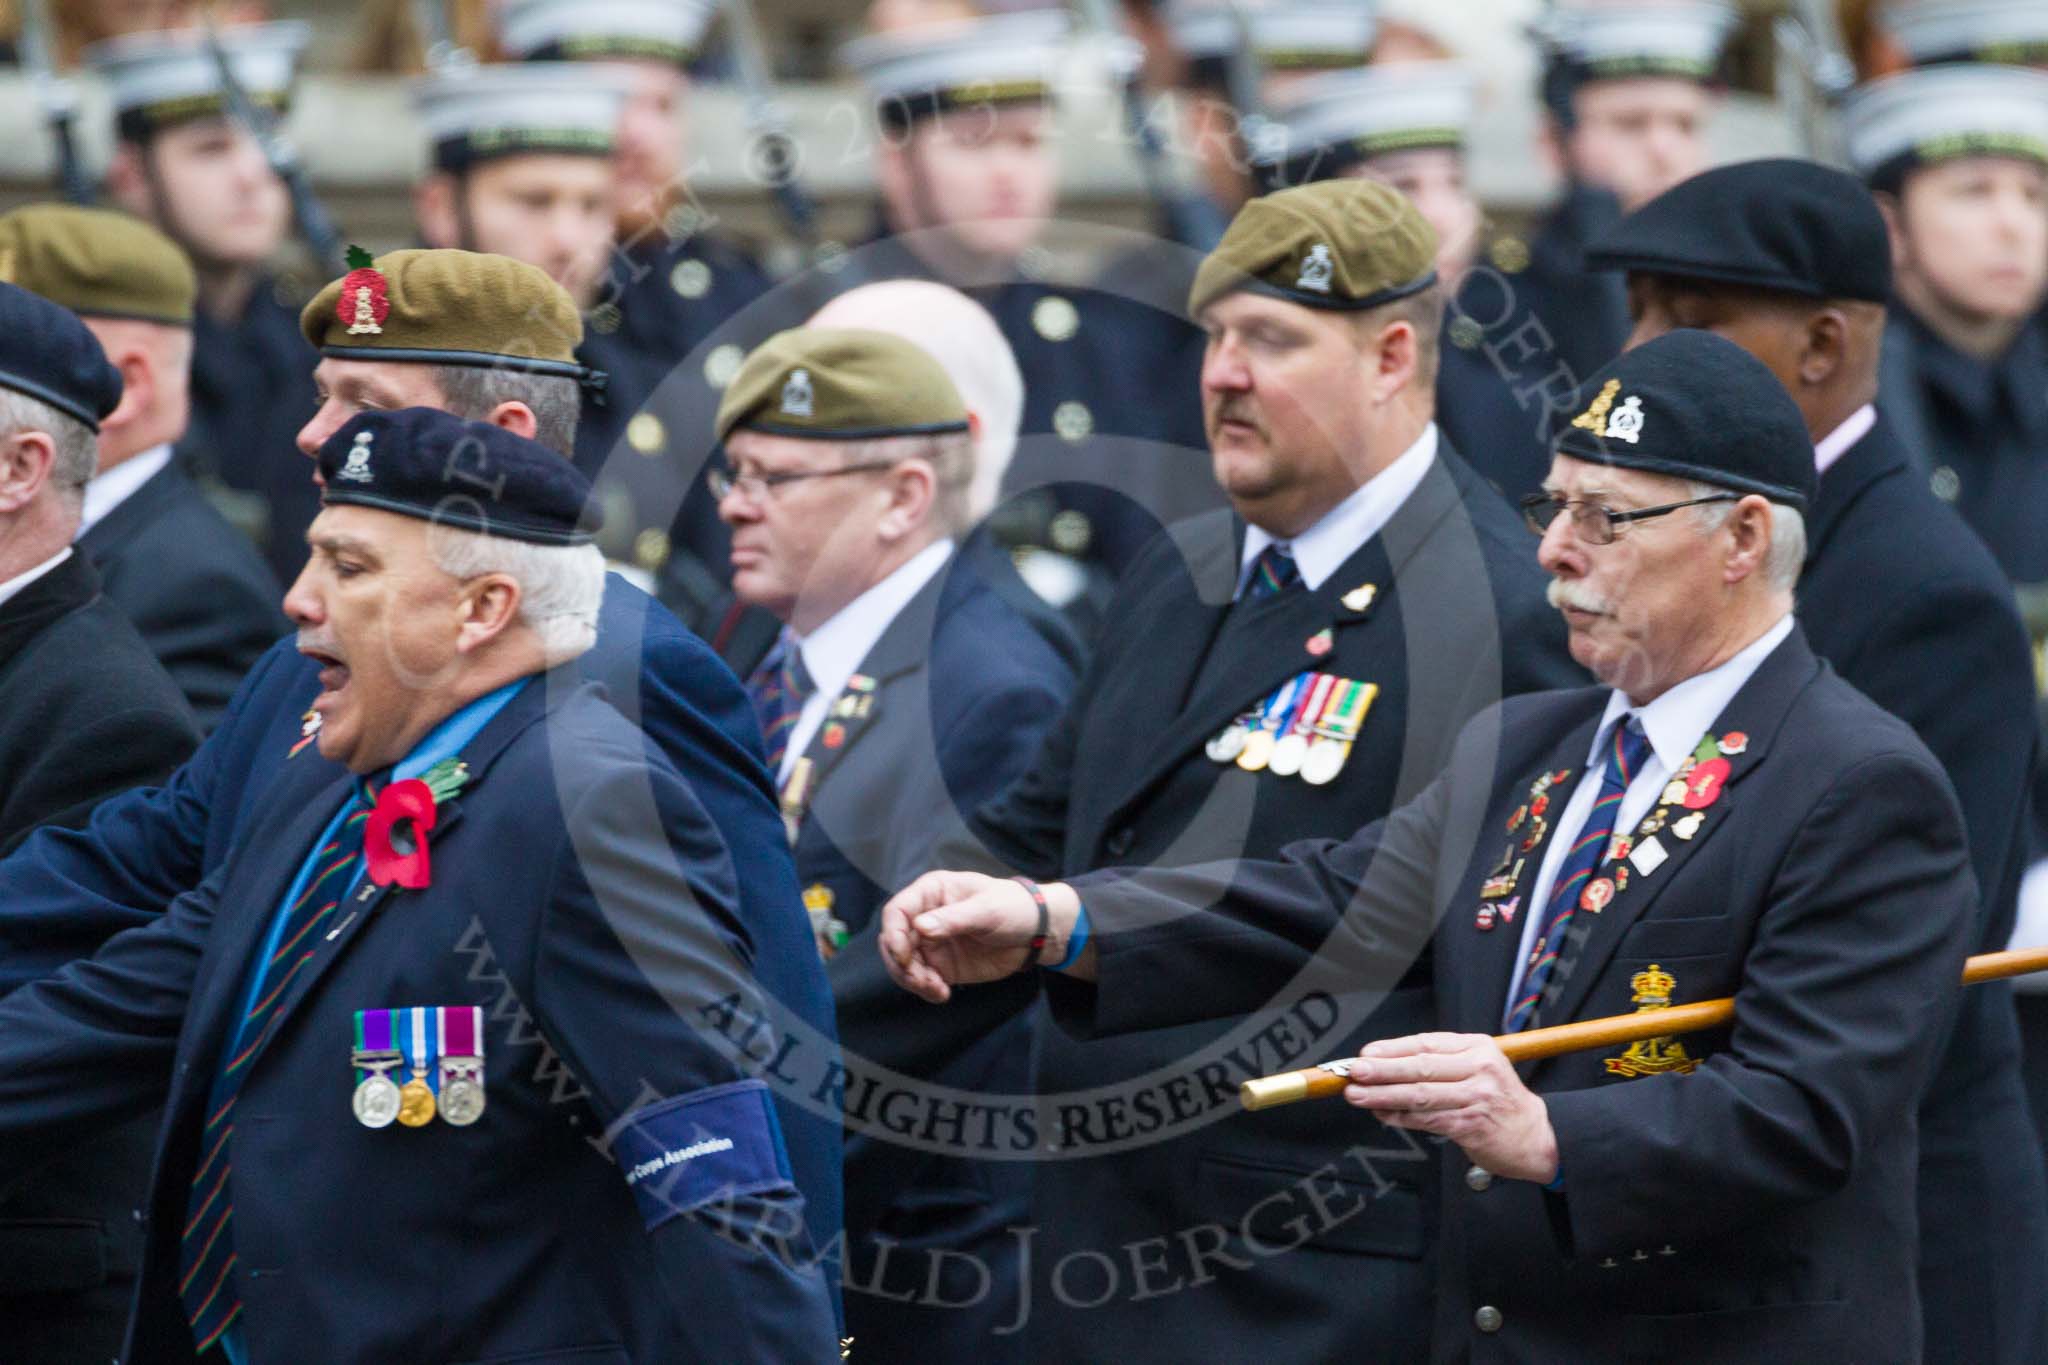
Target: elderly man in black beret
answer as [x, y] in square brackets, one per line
[1723, 817]
[86, 713]
[345, 1152]
[1789, 260]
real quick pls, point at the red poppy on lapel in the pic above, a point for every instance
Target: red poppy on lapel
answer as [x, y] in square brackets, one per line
[395, 837]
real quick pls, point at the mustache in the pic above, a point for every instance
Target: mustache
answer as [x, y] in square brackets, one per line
[1235, 408]
[1563, 593]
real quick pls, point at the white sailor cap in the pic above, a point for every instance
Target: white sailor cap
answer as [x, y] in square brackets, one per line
[2013, 31]
[1331, 122]
[169, 75]
[1938, 113]
[971, 63]
[604, 30]
[1286, 35]
[1606, 41]
[477, 113]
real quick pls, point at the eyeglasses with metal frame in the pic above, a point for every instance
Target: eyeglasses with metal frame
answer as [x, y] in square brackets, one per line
[724, 483]
[1596, 524]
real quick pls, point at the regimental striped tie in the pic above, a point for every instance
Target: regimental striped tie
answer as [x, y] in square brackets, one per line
[779, 687]
[206, 1256]
[1625, 757]
[1273, 572]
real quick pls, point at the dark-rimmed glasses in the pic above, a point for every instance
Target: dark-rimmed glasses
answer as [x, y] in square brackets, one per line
[724, 483]
[1595, 524]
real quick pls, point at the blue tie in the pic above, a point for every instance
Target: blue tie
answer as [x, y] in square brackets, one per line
[778, 688]
[1273, 573]
[206, 1254]
[1625, 755]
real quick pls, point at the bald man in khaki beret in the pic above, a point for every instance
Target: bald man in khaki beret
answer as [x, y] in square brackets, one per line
[1287, 670]
[197, 591]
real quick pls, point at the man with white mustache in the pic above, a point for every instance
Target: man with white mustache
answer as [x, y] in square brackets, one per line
[1724, 817]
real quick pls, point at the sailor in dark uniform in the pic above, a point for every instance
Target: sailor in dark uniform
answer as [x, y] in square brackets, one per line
[671, 283]
[1627, 92]
[1111, 444]
[1958, 156]
[181, 164]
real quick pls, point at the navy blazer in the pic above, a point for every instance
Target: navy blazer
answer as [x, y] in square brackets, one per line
[964, 688]
[1152, 1139]
[65, 893]
[200, 596]
[1760, 1207]
[1900, 595]
[583, 900]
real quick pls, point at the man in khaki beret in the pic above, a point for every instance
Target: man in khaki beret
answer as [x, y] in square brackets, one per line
[1288, 670]
[904, 690]
[200, 595]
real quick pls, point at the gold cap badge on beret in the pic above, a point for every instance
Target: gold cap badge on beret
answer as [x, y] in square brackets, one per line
[841, 384]
[98, 263]
[446, 307]
[1337, 244]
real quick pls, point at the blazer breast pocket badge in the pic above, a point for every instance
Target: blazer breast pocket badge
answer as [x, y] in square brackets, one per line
[1653, 989]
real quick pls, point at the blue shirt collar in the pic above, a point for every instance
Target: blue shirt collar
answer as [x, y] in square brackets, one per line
[447, 739]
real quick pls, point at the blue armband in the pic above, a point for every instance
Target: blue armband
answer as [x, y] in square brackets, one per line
[708, 1146]
[1075, 943]
[1556, 1185]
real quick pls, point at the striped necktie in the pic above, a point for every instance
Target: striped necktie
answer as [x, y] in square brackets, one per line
[778, 688]
[1273, 573]
[206, 1257]
[1625, 755]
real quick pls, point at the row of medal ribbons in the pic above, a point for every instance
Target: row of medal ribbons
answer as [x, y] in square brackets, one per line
[1305, 728]
[415, 1064]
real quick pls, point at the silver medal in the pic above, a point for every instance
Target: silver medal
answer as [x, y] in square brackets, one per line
[1288, 754]
[462, 1090]
[1324, 760]
[1228, 743]
[375, 1101]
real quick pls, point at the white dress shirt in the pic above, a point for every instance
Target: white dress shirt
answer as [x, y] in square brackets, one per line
[13, 586]
[1322, 549]
[109, 490]
[1674, 723]
[1837, 442]
[833, 651]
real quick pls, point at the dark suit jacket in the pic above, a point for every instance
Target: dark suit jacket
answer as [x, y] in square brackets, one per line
[85, 715]
[1457, 620]
[964, 690]
[1760, 1208]
[85, 712]
[252, 389]
[614, 929]
[1899, 595]
[200, 596]
[65, 893]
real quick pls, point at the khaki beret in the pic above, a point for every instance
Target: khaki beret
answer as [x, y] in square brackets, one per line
[98, 264]
[1340, 244]
[840, 384]
[446, 307]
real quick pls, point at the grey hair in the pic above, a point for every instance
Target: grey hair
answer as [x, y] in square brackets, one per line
[1788, 533]
[951, 456]
[78, 448]
[560, 586]
[474, 392]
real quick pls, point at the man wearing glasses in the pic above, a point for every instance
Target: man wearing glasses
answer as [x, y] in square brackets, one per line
[904, 689]
[1724, 817]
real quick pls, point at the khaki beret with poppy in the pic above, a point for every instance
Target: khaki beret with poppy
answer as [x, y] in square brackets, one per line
[841, 384]
[98, 264]
[445, 307]
[1346, 245]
